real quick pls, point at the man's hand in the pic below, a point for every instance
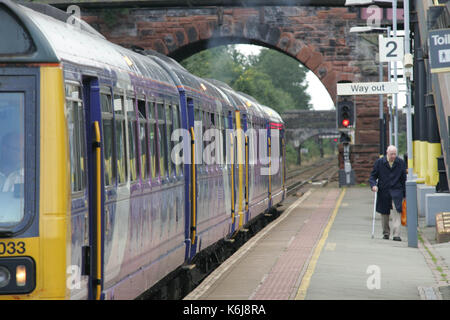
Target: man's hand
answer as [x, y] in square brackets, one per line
[374, 188]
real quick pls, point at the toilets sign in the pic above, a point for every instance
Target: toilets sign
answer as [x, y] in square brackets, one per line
[439, 46]
[366, 88]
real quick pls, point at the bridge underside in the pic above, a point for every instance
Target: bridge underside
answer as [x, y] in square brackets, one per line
[199, 3]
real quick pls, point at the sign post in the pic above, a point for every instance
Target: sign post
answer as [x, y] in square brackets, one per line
[346, 176]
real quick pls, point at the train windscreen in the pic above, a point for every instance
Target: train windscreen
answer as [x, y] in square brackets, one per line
[11, 158]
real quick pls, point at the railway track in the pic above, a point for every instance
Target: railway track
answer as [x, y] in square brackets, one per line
[321, 172]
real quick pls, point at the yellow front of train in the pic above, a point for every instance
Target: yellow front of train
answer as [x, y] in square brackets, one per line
[34, 165]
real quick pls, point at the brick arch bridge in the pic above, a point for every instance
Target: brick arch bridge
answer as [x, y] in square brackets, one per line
[317, 37]
[304, 124]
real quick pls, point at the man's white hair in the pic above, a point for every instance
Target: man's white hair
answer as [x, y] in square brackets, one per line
[391, 148]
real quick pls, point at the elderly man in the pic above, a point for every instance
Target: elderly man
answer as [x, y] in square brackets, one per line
[390, 171]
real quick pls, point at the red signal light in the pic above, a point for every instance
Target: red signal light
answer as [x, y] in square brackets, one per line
[345, 122]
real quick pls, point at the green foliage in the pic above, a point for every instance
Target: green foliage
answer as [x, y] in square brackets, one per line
[218, 63]
[287, 74]
[328, 145]
[291, 155]
[401, 143]
[272, 78]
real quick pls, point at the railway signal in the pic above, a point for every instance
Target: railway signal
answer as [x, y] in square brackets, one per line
[345, 114]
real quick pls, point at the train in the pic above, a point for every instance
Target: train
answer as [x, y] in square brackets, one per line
[106, 185]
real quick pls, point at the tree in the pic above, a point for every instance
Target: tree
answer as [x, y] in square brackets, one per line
[272, 78]
[287, 74]
[220, 63]
[259, 85]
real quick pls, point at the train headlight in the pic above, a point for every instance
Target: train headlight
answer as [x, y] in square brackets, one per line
[17, 275]
[21, 275]
[5, 276]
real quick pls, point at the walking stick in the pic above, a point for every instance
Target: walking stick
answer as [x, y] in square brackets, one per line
[374, 209]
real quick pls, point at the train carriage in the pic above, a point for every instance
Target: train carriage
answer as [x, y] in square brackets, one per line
[93, 205]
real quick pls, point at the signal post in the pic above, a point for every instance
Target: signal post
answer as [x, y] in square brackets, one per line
[346, 119]
[345, 122]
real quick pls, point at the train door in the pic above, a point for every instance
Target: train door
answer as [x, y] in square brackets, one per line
[246, 167]
[269, 155]
[240, 167]
[231, 158]
[191, 216]
[93, 254]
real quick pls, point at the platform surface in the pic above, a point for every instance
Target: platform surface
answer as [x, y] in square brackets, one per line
[321, 247]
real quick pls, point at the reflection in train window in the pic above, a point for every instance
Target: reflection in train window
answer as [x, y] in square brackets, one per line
[108, 140]
[120, 140]
[132, 141]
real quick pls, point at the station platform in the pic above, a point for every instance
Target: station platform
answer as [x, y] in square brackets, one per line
[321, 248]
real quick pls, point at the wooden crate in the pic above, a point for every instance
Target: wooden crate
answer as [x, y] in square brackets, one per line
[443, 227]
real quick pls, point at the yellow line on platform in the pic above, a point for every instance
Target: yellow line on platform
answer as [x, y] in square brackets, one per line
[301, 293]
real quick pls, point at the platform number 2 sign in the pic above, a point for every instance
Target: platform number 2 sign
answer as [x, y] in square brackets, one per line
[391, 49]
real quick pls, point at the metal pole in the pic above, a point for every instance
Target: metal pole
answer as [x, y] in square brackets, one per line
[394, 28]
[411, 186]
[390, 100]
[408, 91]
[380, 73]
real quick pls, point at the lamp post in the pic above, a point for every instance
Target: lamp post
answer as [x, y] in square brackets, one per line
[380, 73]
[394, 29]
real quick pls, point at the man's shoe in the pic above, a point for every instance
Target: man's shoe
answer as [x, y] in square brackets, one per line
[386, 237]
[397, 239]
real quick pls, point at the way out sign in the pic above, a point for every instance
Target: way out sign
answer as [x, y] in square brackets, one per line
[391, 49]
[366, 88]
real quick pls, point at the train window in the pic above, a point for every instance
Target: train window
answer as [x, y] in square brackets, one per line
[224, 139]
[152, 130]
[176, 125]
[196, 115]
[167, 140]
[151, 110]
[12, 159]
[120, 140]
[107, 126]
[169, 143]
[132, 140]
[162, 148]
[143, 139]
[198, 138]
[77, 140]
[206, 117]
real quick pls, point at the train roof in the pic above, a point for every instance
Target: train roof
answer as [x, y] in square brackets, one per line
[272, 115]
[185, 78]
[44, 36]
[38, 33]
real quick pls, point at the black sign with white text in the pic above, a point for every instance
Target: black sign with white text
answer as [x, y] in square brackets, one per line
[439, 46]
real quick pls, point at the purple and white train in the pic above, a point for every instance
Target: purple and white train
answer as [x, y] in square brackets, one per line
[100, 210]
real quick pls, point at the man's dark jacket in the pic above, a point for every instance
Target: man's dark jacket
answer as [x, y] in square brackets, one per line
[391, 184]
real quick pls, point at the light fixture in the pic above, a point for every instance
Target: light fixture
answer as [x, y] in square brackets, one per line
[366, 29]
[5, 276]
[21, 275]
[358, 2]
[408, 65]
